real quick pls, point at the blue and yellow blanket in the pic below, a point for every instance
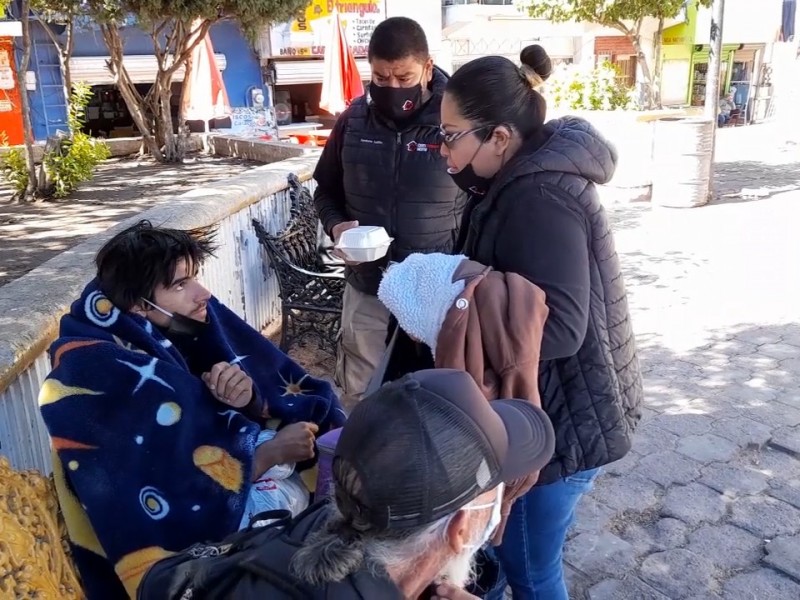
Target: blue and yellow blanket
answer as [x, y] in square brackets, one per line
[146, 461]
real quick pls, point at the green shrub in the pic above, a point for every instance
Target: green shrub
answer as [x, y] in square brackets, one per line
[77, 156]
[13, 166]
[573, 87]
[68, 162]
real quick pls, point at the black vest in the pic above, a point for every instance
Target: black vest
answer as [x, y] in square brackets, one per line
[594, 397]
[396, 178]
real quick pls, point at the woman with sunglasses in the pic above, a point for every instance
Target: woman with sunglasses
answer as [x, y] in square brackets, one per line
[534, 210]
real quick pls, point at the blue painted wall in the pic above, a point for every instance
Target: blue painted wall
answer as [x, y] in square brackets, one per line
[48, 110]
[243, 70]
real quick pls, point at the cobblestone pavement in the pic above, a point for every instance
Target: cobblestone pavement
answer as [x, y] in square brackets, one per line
[708, 503]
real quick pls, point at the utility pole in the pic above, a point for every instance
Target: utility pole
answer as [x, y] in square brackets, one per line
[714, 60]
[713, 76]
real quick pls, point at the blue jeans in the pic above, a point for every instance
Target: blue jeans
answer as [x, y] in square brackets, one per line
[533, 543]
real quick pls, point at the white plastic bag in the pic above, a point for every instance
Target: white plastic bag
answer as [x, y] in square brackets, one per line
[280, 488]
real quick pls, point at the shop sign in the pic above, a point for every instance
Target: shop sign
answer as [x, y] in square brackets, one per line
[6, 73]
[307, 35]
[676, 40]
[10, 28]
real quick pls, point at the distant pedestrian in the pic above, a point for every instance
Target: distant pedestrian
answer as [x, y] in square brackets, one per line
[726, 108]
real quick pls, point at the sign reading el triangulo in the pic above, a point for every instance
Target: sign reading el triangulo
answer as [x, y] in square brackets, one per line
[308, 35]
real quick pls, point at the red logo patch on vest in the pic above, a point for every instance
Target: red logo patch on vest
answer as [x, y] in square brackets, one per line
[420, 147]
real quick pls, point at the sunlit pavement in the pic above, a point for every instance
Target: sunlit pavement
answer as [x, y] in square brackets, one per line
[708, 503]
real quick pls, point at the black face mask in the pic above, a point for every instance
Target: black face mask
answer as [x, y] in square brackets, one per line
[181, 324]
[396, 104]
[469, 181]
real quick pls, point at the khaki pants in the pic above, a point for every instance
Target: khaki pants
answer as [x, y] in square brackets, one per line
[365, 324]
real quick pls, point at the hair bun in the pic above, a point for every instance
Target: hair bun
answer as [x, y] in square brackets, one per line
[536, 58]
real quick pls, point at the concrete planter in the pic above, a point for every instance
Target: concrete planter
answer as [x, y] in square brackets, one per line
[632, 132]
[682, 172]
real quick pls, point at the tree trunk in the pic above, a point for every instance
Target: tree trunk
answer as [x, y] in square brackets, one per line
[659, 65]
[164, 122]
[173, 43]
[23, 94]
[158, 102]
[130, 95]
[64, 57]
[66, 79]
[641, 59]
[183, 129]
[188, 74]
[173, 50]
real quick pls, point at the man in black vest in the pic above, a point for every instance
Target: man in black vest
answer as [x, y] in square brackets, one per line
[381, 166]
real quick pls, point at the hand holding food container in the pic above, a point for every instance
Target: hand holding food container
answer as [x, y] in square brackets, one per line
[363, 244]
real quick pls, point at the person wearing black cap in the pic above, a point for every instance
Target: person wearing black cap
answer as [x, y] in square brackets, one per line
[418, 476]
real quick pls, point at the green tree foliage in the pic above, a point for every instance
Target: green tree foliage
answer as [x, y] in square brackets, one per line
[69, 159]
[573, 87]
[626, 16]
[78, 155]
[13, 167]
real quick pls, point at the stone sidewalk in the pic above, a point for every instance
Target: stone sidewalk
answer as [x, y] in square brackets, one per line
[708, 503]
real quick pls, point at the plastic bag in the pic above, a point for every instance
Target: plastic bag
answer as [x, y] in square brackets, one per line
[280, 488]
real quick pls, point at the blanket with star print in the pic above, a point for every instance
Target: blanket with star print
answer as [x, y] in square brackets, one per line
[146, 461]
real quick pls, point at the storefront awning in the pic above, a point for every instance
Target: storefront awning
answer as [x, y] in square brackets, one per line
[93, 70]
[296, 72]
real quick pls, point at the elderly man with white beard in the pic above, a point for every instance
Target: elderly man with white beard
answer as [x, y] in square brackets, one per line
[418, 473]
[418, 477]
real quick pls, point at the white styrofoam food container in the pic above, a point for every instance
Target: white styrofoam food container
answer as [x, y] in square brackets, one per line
[364, 244]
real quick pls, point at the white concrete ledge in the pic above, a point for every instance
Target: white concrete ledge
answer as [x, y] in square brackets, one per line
[258, 150]
[31, 306]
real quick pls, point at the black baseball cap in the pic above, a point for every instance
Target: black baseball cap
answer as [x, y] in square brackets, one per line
[422, 447]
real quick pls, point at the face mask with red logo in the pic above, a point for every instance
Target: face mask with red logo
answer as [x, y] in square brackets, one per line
[396, 104]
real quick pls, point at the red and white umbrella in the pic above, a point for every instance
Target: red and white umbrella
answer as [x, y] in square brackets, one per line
[204, 94]
[341, 82]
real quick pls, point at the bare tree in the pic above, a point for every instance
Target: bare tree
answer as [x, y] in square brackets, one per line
[175, 29]
[24, 63]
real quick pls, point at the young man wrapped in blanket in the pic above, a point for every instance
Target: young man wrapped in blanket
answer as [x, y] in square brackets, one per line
[166, 410]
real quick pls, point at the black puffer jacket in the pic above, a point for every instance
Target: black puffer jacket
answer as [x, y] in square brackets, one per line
[542, 218]
[377, 174]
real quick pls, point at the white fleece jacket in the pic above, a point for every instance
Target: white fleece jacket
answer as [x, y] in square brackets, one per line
[419, 291]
